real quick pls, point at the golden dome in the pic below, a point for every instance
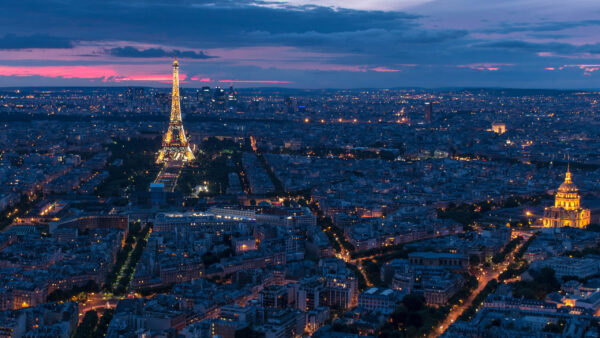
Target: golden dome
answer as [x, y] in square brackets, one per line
[568, 186]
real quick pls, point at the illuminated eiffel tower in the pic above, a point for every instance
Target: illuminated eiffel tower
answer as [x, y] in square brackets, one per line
[175, 147]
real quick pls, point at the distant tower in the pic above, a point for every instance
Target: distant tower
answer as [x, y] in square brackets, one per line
[231, 97]
[205, 95]
[428, 109]
[175, 146]
[220, 97]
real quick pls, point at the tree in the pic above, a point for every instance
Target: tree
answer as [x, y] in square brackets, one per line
[471, 282]
[100, 331]
[544, 282]
[547, 276]
[414, 319]
[87, 326]
[91, 286]
[373, 273]
[247, 332]
[555, 327]
[209, 259]
[57, 295]
[413, 302]
[387, 155]
[341, 327]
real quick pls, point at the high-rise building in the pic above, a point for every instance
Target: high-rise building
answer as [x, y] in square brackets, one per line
[289, 103]
[428, 112]
[175, 147]
[232, 99]
[220, 98]
[231, 95]
[204, 95]
[129, 94]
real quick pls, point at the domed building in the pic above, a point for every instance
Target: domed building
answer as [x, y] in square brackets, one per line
[567, 211]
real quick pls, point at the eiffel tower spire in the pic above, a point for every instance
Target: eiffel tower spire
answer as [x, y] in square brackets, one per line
[175, 101]
[175, 146]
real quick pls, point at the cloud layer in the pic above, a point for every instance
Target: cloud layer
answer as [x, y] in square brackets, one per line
[132, 52]
[12, 41]
[302, 43]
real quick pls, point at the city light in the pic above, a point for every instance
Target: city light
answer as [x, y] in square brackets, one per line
[371, 168]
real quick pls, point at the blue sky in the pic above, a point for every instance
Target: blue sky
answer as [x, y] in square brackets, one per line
[302, 43]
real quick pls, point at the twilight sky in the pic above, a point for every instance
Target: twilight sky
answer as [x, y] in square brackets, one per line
[302, 43]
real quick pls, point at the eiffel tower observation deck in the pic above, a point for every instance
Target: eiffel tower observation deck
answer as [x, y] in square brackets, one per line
[175, 151]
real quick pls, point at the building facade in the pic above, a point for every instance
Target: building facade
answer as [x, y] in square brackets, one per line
[567, 211]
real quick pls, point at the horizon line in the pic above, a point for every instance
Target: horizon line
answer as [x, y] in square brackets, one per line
[323, 88]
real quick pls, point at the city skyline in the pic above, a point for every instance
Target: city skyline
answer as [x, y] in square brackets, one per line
[387, 212]
[385, 168]
[302, 44]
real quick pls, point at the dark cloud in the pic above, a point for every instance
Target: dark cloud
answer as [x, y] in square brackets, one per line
[132, 52]
[381, 43]
[225, 24]
[549, 36]
[551, 26]
[321, 35]
[529, 46]
[208, 24]
[535, 47]
[12, 41]
[205, 23]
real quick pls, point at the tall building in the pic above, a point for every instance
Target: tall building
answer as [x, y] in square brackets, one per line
[220, 98]
[289, 104]
[428, 111]
[232, 96]
[567, 211]
[175, 147]
[204, 95]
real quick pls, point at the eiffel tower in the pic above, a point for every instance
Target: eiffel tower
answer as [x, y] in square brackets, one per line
[175, 147]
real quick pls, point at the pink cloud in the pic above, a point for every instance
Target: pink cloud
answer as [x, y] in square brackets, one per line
[266, 57]
[203, 79]
[550, 68]
[587, 68]
[546, 54]
[106, 73]
[485, 66]
[65, 72]
[385, 70]
[150, 77]
[585, 55]
[253, 81]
